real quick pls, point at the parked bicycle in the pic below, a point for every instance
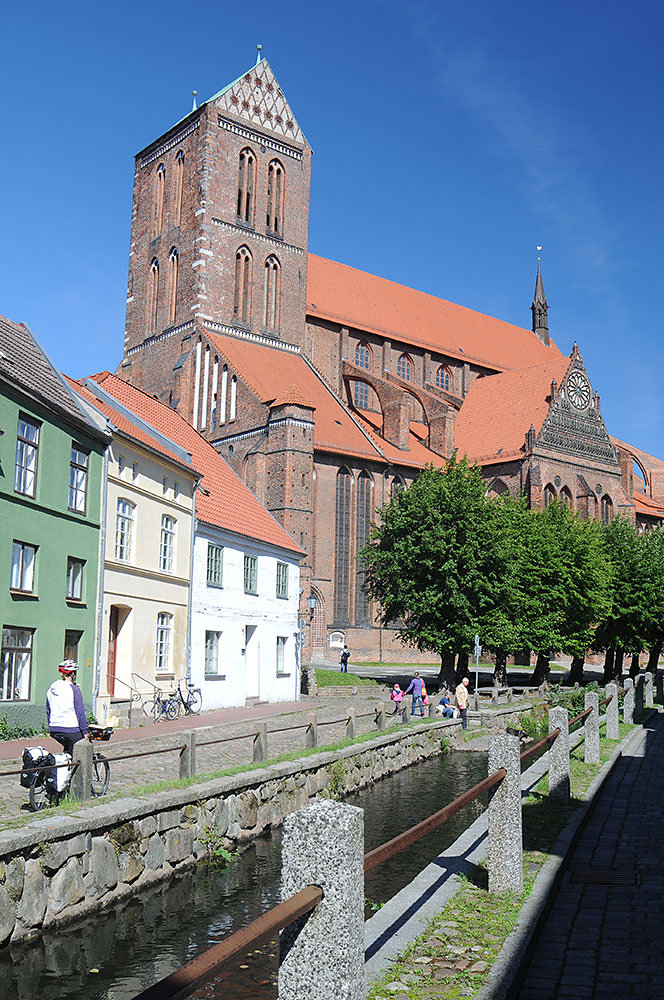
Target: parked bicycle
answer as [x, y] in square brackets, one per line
[170, 705]
[47, 776]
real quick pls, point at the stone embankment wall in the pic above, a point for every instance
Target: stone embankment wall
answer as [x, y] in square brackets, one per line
[64, 868]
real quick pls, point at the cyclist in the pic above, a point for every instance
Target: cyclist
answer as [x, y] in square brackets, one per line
[64, 708]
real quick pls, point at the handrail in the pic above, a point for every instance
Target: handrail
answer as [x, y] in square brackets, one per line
[578, 718]
[144, 753]
[226, 739]
[194, 973]
[289, 729]
[380, 854]
[31, 770]
[531, 751]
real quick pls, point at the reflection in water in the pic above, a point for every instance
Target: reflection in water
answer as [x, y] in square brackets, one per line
[139, 942]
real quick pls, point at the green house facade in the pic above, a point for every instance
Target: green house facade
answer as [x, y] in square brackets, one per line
[51, 467]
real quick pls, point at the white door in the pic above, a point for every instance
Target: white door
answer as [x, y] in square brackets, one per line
[251, 662]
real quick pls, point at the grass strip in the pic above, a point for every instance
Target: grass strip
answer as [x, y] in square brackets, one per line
[335, 678]
[454, 956]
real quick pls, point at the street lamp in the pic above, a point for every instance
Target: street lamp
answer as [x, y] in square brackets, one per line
[312, 601]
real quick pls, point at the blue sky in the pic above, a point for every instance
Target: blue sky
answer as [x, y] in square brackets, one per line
[450, 139]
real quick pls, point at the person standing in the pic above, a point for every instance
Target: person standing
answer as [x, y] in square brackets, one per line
[416, 686]
[461, 695]
[65, 711]
[345, 656]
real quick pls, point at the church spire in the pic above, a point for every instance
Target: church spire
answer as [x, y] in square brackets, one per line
[540, 308]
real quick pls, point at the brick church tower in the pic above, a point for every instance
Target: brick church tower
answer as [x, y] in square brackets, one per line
[219, 227]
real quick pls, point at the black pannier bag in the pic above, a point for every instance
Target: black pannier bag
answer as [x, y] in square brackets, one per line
[32, 757]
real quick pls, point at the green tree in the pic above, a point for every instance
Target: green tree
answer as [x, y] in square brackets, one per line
[622, 627]
[652, 569]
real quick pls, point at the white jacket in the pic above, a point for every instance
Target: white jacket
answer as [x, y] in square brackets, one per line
[60, 697]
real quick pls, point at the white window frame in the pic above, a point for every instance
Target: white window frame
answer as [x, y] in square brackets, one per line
[79, 464]
[212, 648]
[282, 642]
[27, 456]
[250, 574]
[215, 565]
[124, 530]
[15, 657]
[282, 580]
[22, 577]
[163, 644]
[75, 569]
[167, 543]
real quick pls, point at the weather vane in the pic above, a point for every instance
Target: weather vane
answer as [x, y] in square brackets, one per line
[538, 252]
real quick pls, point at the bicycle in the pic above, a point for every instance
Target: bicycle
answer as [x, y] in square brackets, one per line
[193, 702]
[42, 775]
[162, 706]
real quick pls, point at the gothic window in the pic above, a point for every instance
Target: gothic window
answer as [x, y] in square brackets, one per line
[606, 509]
[342, 546]
[153, 296]
[241, 305]
[271, 293]
[443, 378]
[404, 367]
[179, 187]
[497, 488]
[362, 360]
[362, 536]
[275, 198]
[233, 406]
[172, 284]
[224, 392]
[397, 486]
[213, 397]
[549, 494]
[246, 184]
[159, 197]
[566, 497]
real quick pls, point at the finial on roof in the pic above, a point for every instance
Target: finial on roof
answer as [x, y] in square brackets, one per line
[194, 94]
[259, 49]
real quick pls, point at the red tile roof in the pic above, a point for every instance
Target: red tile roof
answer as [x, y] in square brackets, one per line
[418, 455]
[499, 410]
[647, 506]
[230, 505]
[363, 301]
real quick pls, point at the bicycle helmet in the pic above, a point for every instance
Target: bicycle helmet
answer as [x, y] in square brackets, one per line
[68, 667]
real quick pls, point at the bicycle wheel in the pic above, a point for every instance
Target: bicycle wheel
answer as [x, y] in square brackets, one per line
[39, 796]
[158, 709]
[148, 706]
[194, 701]
[101, 774]
[172, 709]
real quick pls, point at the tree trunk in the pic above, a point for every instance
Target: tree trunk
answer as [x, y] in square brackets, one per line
[462, 666]
[634, 668]
[576, 671]
[540, 674]
[446, 677]
[618, 665]
[500, 673]
[655, 653]
[609, 664]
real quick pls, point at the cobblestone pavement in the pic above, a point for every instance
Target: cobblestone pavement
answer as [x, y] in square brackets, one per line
[132, 774]
[605, 941]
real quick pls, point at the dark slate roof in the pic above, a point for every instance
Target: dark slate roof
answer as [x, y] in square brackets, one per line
[25, 365]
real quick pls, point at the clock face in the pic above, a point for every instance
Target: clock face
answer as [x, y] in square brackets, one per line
[578, 390]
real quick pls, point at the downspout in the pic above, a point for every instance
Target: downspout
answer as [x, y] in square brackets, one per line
[197, 486]
[100, 579]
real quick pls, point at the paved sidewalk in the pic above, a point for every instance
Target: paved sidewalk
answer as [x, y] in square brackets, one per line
[131, 774]
[605, 940]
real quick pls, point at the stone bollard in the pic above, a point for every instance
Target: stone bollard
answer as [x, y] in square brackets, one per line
[311, 732]
[380, 716]
[649, 693]
[350, 724]
[659, 683]
[628, 701]
[591, 728]
[510, 696]
[638, 696]
[81, 779]
[188, 755]
[321, 955]
[505, 833]
[260, 742]
[404, 714]
[612, 713]
[432, 710]
[559, 756]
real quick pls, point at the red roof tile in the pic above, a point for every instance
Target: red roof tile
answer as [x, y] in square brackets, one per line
[354, 298]
[230, 505]
[646, 505]
[499, 410]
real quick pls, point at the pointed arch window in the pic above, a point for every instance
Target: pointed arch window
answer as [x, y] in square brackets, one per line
[172, 284]
[241, 305]
[606, 509]
[271, 290]
[342, 546]
[159, 198]
[275, 197]
[223, 394]
[405, 367]
[153, 296]
[233, 406]
[444, 379]
[397, 487]
[246, 185]
[179, 188]
[549, 494]
[362, 360]
[363, 526]
[566, 497]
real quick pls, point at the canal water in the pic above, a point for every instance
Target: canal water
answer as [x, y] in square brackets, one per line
[125, 949]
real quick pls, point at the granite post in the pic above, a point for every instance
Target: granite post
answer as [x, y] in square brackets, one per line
[432, 709]
[322, 955]
[350, 724]
[612, 713]
[628, 701]
[504, 814]
[81, 779]
[638, 696]
[559, 756]
[311, 732]
[659, 682]
[650, 700]
[260, 742]
[591, 728]
[188, 755]
[405, 717]
[380, 716]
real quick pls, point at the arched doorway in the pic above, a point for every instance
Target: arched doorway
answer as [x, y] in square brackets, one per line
[318, 621]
